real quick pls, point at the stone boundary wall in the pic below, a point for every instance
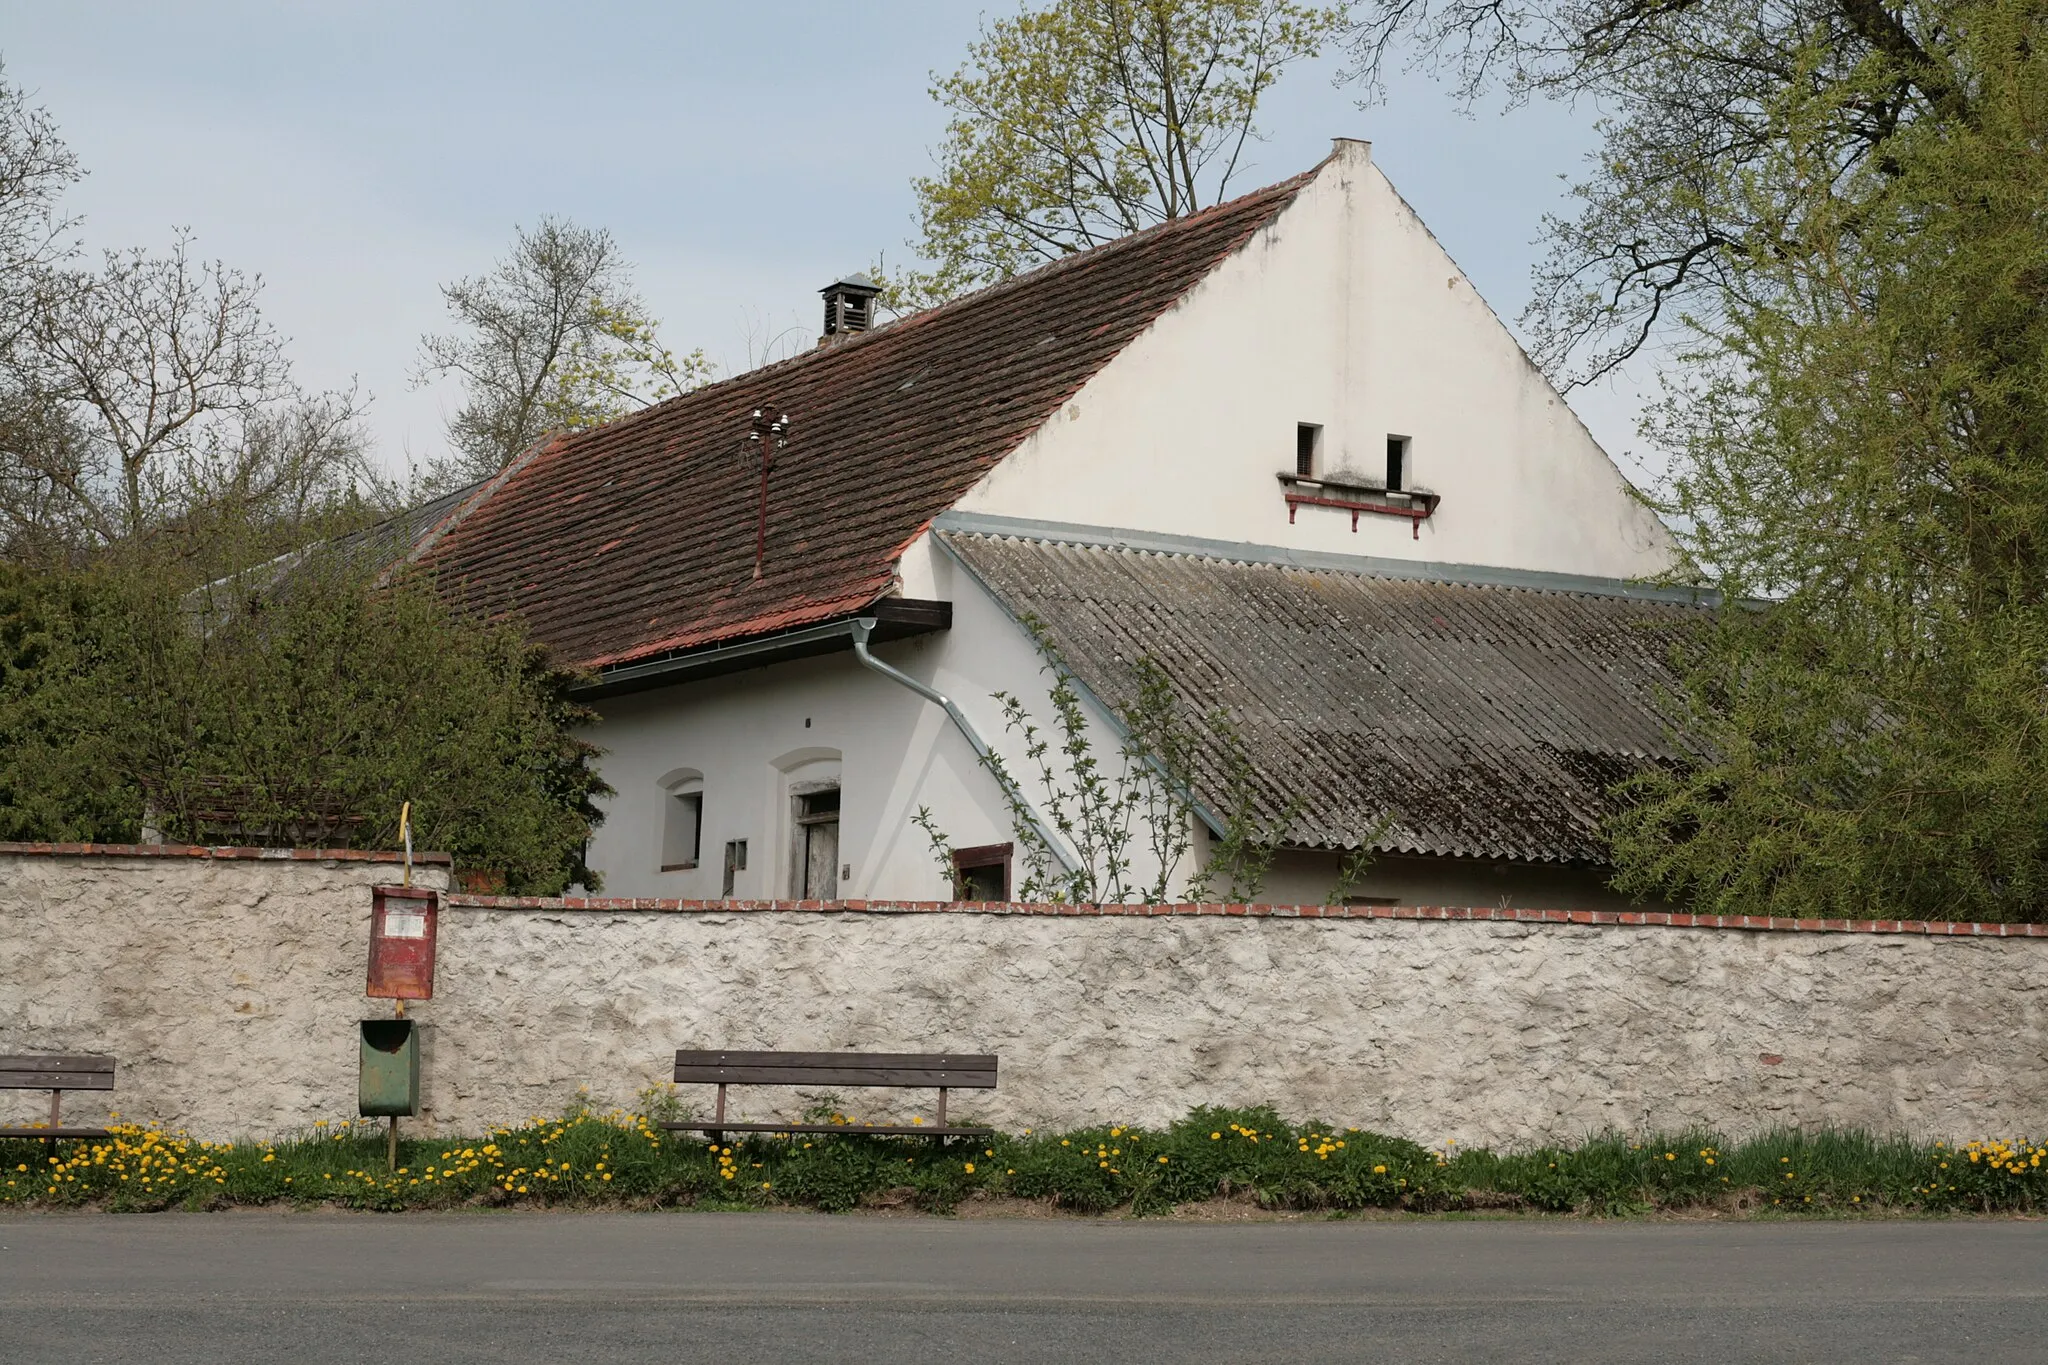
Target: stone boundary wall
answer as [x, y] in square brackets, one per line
[227, 983]
[1498, 914]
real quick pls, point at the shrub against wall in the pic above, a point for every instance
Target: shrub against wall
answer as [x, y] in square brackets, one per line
[296, 707]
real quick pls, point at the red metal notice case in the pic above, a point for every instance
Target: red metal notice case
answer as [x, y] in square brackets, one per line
[402, 924]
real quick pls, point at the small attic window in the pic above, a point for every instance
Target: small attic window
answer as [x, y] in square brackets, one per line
[1308, 448]
[1397, 462]
[982, 874]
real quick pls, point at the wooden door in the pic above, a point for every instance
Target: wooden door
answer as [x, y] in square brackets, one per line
[821, 861]
[817, 845]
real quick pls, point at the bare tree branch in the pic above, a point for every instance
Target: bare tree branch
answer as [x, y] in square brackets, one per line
[1665, 218]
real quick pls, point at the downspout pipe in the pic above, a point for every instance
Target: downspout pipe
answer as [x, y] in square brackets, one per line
[863, 627]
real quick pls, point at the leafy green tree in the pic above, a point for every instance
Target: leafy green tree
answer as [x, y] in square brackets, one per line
[172, 656]
[1089, 119]
[1828, 214]
[1864, 446]
[1833, 210]
[552, 339]
[295, 708]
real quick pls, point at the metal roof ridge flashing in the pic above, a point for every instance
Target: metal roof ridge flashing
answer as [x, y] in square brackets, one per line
[1288, 187]
[957, 522]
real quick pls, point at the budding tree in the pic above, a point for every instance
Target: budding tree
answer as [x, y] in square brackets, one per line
[1089, 119]
[552, 339]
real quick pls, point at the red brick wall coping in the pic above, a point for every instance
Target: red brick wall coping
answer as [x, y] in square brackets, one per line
[291, 855]
[1644, 918]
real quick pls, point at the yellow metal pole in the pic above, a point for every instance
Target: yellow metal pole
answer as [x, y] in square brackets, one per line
[405, 833]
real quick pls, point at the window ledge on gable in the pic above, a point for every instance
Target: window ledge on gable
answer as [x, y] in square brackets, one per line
[677, 867]
[1416, 504]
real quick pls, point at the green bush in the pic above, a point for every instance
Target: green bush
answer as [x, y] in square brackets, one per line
[305, 711]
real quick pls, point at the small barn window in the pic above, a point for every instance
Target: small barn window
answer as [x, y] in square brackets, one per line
[982, 874]
[682, 834]
[1308, 448]
[735, 862]
[1397, 462]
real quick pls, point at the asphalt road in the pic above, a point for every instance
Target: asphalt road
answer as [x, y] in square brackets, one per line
[312, 1288]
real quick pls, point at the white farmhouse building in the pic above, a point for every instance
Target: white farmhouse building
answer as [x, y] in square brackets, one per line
[1280, 449]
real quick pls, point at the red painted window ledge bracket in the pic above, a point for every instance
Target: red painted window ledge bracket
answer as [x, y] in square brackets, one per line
[1417, 510]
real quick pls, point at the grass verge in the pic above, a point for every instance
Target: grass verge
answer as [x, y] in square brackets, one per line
[587, 1159]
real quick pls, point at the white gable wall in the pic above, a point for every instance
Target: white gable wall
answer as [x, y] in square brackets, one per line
[1343, 312]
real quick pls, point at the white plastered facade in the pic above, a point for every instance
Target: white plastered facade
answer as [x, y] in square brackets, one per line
[1344, 312]
[749, 733]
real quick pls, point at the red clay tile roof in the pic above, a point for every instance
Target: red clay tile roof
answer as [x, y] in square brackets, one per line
[637, 538]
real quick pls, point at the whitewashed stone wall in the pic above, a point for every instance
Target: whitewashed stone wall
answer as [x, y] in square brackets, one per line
[226, 988]
[229, 992]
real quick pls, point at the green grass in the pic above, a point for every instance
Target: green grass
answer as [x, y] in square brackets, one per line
[586, 1159]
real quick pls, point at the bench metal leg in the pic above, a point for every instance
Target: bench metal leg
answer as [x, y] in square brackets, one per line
[56, 1098]
[942, 1106]
[717, 1135]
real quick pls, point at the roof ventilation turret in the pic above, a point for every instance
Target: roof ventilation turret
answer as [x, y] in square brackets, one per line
[849, 307]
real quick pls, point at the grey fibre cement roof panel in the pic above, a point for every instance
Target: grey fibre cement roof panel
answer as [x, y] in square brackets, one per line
[1473, 719]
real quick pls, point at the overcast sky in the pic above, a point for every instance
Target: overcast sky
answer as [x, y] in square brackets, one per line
[359, 154]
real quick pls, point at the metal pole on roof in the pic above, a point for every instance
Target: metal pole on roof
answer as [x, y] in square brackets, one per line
[864, 627]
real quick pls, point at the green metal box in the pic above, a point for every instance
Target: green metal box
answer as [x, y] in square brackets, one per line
[390, 1068]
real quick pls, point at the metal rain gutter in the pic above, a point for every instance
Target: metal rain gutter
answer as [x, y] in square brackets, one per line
[696, 661]
[862, 628]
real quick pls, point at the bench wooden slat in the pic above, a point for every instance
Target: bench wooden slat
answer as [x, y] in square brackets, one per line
[787, 1075]
[872, 1129]
[56, 1080]
[30, 1061]
[926, 1061]
[47, 1133]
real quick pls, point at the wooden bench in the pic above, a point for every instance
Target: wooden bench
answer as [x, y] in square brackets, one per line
[904, 1070]
[56, 1075]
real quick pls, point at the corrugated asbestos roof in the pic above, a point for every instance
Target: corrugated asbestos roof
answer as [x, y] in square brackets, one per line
[1474, 720]
[637, 538]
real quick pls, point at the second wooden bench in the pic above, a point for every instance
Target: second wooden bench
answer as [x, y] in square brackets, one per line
[901, 1070]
